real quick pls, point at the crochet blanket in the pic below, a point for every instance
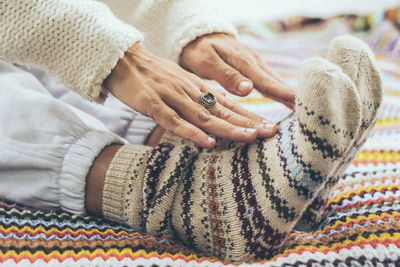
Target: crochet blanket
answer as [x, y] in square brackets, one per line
[361, 224]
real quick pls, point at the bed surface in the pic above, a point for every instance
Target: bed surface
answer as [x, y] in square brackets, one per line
[361, 225]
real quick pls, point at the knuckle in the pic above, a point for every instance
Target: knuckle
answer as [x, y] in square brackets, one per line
[229, 75]
[229, 105]
[159, 118]
[234, 107]
[251, 124]
[154, 102]
[204, 89]
[154, 108]
[225, 114]
[175, 119]
[204, 116]
[175, 122]
[245, 62]
[180, 91]
[207, 60]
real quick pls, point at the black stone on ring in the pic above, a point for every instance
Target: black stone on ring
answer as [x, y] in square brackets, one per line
[207, 100]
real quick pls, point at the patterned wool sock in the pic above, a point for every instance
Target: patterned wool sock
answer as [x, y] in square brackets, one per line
[240, 203]
[358, 62]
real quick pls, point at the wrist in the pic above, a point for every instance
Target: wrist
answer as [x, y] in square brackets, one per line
[123, 65]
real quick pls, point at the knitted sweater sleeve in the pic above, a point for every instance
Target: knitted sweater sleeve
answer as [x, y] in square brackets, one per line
[169, 25]
[77, 41]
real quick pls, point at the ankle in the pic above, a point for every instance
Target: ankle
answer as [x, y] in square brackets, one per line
[155, 136]
[95, 179]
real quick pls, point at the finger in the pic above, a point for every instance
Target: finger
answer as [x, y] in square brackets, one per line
[270, 87]
[224, 101]
[234, 113]
[261, 63]
[202, 118]
[268, 70]
[239, 109]
[264, 129]
[230, 78]
[263, 82]
[291, 95]
[171, 121]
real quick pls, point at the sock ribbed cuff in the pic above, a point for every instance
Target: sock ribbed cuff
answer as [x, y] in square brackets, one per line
[128, 159]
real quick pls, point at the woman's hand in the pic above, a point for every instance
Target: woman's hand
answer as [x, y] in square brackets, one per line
[236, 67]
[162, 90]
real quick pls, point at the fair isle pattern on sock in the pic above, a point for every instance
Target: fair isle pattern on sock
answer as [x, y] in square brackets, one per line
[358, 62]
[238, 204]
[132, 185]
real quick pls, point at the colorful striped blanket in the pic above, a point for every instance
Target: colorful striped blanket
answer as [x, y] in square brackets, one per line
[361, 226]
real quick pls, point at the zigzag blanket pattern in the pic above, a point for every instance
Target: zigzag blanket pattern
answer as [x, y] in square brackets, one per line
[361, 221]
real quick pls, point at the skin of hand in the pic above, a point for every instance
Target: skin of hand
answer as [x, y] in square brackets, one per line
[162, 90]
[237, 68]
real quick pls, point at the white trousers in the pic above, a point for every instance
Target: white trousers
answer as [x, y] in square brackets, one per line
[50, 136]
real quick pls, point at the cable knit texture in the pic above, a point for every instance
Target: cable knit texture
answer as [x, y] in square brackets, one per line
[170, 25]
[81, 41]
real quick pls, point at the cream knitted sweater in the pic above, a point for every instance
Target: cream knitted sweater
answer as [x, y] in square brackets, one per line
[80, 41]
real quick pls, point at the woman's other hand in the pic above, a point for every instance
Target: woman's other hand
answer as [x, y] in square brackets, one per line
[162, 90]
[236, 67]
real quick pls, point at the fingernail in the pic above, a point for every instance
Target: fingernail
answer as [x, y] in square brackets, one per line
[210, 140]
[249, 130]
[269, 126]
[244, 86]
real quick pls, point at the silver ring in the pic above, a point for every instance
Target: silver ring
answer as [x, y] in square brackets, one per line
[207, 100]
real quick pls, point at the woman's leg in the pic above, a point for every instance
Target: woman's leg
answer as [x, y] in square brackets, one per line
[95, 180]
[47, 147]
[238, 204]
